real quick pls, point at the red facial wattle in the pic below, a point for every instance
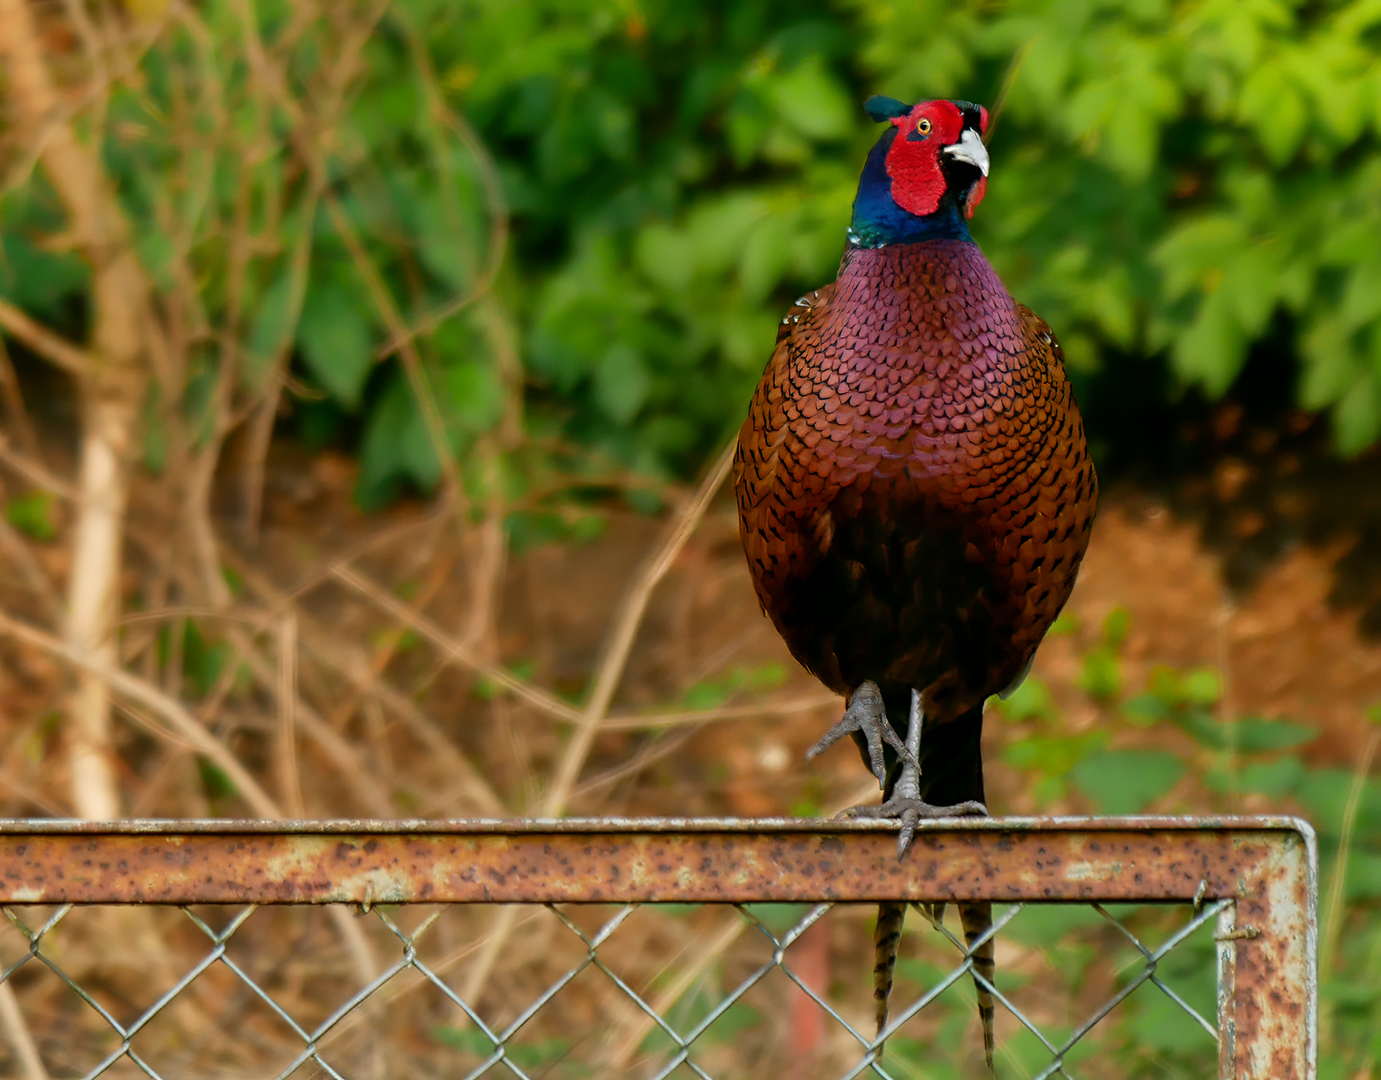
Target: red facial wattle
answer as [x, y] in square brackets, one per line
[913, 161]
[975, 195]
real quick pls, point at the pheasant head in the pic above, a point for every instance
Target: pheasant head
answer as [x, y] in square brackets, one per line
[925, 176]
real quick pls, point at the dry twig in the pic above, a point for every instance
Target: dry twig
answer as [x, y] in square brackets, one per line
[624, 631]
[36, 337]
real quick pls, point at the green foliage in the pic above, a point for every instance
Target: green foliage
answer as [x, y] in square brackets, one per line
[1168, 181]
[1101, 675]
[712, 693]
[1127, 781]
[1031, 700]
[33, 514]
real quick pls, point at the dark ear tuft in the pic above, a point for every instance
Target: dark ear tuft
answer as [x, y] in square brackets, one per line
[885, 108]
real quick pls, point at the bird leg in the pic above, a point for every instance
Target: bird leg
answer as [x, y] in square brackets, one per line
[906, 803]
[865, 713]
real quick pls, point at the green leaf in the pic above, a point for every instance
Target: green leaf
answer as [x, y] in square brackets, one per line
[334, 334]
[1031, 700]
[622, 383]
[216, 780]
[1044, 926]
[1251, 735]
[1274, 779]
[1357, 417]
[36, 280]
[732, 1022]
[1054, 755]
[1202, 687]
[1067, 623]
[1101, 674]
[1146, 710]
[1127, 781]
[766, 257]
[395, 448]
[1257, 735]
[812, 101]
[203, 660]
[1274, 107]
[1363, 880]
[1211, 350]
[1324, 794]
[474, 395]
[156, 251]
[270, 330]
[34, 514]
[1158, 1023]
[1115, 627]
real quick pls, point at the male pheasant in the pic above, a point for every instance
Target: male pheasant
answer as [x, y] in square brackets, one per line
[914, 486]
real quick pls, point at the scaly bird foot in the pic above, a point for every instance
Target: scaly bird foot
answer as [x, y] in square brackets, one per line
[906, 804]
[910, 811]
[866, 714]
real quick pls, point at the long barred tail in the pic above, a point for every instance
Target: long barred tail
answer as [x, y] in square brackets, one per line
[952, 772]
[886, 944]
[976, 920]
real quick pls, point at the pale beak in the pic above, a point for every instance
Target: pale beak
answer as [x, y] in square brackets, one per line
[970, 148]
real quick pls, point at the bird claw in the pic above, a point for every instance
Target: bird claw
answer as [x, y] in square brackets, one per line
[865, 713]
[911, 812]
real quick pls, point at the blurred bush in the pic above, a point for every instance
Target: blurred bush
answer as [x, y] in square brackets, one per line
[1170, 181]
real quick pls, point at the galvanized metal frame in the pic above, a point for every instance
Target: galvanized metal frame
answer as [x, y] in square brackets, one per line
[1262, 869]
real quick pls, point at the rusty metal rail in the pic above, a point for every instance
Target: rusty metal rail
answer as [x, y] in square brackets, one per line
[1261, 872]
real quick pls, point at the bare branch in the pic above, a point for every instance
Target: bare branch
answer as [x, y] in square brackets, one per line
[35, 473]
[43, 342]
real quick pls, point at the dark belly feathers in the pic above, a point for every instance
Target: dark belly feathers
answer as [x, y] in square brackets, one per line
[913, 482]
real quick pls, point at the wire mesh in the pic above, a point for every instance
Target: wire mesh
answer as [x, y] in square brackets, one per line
[1123, 947]
[275, 1004]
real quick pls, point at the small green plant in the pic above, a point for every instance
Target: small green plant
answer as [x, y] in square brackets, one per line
[35, 515]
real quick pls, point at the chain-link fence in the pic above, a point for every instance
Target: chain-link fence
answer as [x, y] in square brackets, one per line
[651, 949]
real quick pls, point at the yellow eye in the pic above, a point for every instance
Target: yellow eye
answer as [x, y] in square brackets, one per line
[924, 126]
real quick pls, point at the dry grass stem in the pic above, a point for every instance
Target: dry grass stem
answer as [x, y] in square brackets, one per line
[151, 697]
[289, 783]
[657, 721]
[348, 661]
[385, 601]
[14, 546]
[1332, 915]
[13, 395]
[17, 1031]
[614, 657]
[636, 1025]
[619, 642]
[38, 475]
[335, 747]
